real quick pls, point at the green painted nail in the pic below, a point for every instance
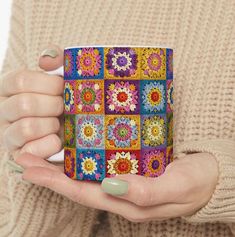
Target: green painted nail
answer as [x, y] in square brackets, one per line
[15, 167]
[114, 186]
[50, 52]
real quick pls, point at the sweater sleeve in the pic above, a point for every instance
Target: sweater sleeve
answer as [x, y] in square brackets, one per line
[27, 209]
[205, 118]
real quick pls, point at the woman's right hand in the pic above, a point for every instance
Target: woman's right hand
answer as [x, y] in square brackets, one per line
[30, 105]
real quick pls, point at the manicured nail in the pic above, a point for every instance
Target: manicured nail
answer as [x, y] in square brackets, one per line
[114, 186]
[15, 167]
[50, 52]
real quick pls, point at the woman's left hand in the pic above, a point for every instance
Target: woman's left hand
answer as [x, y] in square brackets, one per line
[185, 187]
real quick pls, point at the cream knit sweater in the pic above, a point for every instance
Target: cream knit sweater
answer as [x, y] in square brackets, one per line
[202, 34]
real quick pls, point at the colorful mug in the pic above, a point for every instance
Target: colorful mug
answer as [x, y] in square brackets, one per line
[118, 116]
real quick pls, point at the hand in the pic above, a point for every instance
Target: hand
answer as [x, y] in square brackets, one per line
[185, 187]
[30, 104]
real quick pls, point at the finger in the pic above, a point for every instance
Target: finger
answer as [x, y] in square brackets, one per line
[145, 191]
[43, 147]
[29, 129]
[29, 105]
[89, 194]
[27, 160]
[31, 81]
[51, 58]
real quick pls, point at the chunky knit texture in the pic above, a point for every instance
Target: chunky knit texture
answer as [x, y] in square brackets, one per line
[202, 34]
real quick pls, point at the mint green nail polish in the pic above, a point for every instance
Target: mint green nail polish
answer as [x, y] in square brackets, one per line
[50, 52]
[114, 186]
[15, 167]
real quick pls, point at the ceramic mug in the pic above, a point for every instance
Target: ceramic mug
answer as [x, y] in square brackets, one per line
[118, 115]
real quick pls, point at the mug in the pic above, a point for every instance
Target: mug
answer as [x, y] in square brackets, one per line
[118, 111]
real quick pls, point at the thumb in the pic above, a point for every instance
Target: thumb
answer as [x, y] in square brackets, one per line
[51, 58]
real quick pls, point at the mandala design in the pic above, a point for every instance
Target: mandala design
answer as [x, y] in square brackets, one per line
[90, 131]
[69, 130]
[121, 63]
[90, 63]
[68, 63]
[90, 164]
[170, 129]
[122, 132]
[153, 63]
[90, 98]
[169, 63]
[169, 154]
[169, 96]
[69, 97]
[153, 95]
[153, 131]
[122, 162]
[153, 162]
[122, 97]
[69, 162]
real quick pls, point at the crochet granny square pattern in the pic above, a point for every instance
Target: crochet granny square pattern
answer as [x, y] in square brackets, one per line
[118, 111]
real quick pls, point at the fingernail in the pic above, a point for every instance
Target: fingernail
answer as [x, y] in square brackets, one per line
[114, 186]
[50, 52]
[15, 167]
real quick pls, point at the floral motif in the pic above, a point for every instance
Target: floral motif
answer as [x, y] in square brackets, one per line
[69, 130]
[121, 62]
[122, 97]
[89, 63]
[90, 164]
[153, 131]
[69, 97]
[153, 162]
[69, 162]
[169, 63]
[169, 95]
[169, 154]
[170, 129]
[122, 132]
[153, 63]
[90, 98]
[68, 63]
[123, 162]
[153, 95]
[90, 131]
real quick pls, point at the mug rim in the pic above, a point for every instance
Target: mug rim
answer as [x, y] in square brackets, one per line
[118, 46]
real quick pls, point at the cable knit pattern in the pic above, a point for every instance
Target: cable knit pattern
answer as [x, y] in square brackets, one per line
[202, 34]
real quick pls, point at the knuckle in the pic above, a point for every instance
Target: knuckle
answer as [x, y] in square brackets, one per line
[26, 103]
[59, 105]
[49, 182]
[26, 128]
[56, 142]
[20, 80]
[145, 196]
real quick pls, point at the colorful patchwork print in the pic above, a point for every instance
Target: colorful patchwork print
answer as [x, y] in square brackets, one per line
[122, 97]
[121, 62]
[90, 131]
[90, 164]
[69, 131]
[69, 162]
[153, 63]
[153, 162]
[89, 96]
[122, 162]
[118, 105]
[69, 93]
[153, 96]
[122, 132]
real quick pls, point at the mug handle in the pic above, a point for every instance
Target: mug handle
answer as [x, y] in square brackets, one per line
[58, 157]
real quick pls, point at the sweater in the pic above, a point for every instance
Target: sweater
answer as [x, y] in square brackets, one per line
[202, 34]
